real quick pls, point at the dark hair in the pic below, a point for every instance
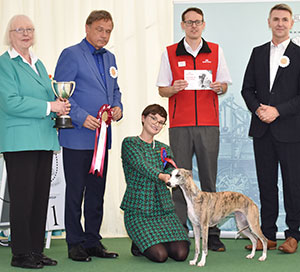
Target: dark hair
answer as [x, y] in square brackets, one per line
[98, 15]
[155, 109]
[199, 11]
[281, 7]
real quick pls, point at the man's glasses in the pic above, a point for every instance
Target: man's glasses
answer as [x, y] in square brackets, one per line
[23, 30]
[155, 121]
[190, 22]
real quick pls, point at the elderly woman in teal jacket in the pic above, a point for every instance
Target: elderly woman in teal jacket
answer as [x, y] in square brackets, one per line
[27, 141]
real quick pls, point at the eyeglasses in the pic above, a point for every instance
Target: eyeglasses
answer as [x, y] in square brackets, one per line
[156, 122]
[190, 22]
[23, 30]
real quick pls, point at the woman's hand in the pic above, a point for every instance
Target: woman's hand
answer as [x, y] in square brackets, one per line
[60, 106]
[164, 177]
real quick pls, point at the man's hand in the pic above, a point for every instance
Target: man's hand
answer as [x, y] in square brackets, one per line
[179, 85]
[116, 113]
[267, 114]
[218, 87]
[91, 122]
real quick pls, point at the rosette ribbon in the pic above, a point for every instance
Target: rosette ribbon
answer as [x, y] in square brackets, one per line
[104, 116]
[165, 159]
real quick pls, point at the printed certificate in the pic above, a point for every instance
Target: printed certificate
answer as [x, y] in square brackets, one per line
[198, 79]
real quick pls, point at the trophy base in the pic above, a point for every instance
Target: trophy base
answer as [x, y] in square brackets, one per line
[63, 122]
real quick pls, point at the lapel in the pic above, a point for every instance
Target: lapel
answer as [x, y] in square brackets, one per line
[107, 65]
[91, 62]
[44, 77]
[39, 78]
[289, 52]
[266, 63]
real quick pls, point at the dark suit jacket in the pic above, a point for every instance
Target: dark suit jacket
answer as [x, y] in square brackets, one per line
[284, 95]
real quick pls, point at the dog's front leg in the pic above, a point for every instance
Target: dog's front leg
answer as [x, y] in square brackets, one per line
[204, 230]
[196, 229]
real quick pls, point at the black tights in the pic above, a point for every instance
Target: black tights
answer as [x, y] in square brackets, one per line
[178, 250]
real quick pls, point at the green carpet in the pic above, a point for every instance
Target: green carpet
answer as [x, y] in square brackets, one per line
[233, 260]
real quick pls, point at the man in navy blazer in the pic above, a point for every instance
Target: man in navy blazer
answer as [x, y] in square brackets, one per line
[94, 70]
[271, 90]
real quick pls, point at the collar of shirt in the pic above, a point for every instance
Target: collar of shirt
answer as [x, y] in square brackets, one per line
[98, 60]
[92, 48]
[282, 46]
[189, 49]
[14, 54]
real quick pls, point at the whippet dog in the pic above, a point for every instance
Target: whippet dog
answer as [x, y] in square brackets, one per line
[207, 209]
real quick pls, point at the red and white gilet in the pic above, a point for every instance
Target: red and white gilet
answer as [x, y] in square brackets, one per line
[193, 107]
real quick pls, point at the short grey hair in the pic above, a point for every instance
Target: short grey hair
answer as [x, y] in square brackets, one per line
[7, 40]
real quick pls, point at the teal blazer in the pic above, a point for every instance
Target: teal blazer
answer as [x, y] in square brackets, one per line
[23, 105]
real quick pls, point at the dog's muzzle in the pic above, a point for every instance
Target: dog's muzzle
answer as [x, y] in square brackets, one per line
[169, 184]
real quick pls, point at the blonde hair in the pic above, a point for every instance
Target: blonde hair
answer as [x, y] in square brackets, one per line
[281, 7]
[7, 40]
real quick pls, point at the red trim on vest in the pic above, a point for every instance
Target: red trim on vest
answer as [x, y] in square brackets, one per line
[198, 107]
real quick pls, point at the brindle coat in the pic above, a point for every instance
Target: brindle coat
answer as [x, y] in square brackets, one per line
[207, 209]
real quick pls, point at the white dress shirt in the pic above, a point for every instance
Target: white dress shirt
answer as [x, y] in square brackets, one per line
[276, 53]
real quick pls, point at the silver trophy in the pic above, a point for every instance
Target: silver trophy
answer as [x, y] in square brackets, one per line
[63, 89]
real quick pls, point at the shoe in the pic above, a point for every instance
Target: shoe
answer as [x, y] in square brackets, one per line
[78, 253]
[101, 252]
[289, 246]
[135, 250]
[215, 244]
[40, 257]
[271, 245]
[25, 261]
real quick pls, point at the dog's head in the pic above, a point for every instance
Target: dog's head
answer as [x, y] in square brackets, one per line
[179, 177]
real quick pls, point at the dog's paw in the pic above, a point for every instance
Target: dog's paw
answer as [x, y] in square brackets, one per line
[250, 256]
[262, 258]
[193, 262]
[201, 264]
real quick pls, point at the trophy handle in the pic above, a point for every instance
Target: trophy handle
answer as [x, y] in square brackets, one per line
[74, 84]
[53, 89]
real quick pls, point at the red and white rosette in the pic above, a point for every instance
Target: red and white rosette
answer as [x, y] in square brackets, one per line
[104, 116]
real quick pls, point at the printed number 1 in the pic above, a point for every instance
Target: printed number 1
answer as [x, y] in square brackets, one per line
[54, 216]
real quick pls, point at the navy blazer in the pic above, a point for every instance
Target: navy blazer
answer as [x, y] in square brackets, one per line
[76, 63]
[284, 95]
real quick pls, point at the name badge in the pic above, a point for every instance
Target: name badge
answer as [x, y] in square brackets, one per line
[181, 64]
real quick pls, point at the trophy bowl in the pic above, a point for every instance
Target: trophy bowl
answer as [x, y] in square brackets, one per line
[63, 89]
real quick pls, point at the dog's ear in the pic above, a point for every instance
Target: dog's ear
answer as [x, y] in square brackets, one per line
[190, 173]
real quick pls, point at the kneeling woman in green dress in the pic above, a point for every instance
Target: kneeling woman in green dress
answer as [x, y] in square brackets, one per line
[149, 213]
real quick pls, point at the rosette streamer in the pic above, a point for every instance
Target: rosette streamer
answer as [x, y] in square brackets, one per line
[165, 159]
[104, 116]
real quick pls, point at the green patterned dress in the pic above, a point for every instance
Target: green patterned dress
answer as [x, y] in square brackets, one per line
[149, 212]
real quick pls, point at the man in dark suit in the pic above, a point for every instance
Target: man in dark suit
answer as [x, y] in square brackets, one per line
[271, 90]
[94, 70]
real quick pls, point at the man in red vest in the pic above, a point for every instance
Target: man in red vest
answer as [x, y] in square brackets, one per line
[194, 113]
